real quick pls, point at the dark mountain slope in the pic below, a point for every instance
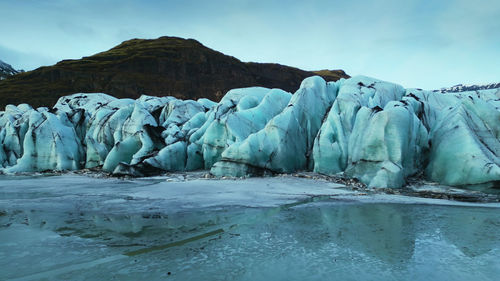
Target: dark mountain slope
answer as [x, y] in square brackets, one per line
[183, 68]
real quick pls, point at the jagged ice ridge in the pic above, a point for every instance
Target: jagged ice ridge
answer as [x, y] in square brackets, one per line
[375, 131]
[465, 88]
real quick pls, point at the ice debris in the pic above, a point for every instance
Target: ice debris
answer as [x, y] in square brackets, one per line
[375, 131]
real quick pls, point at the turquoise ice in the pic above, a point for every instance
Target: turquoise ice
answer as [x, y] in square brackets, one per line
[364, 128]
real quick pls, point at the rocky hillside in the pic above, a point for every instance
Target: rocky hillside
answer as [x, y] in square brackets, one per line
[172, 66]
[6, 70]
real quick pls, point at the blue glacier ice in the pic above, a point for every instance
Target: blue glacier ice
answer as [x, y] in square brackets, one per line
[375, 131]
[285, 143]
[50, 143]
[464, 136]
[386, 146]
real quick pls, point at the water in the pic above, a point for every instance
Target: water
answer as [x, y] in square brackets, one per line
[80, 228]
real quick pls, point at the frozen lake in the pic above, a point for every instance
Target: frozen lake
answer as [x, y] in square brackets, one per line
[75, 227]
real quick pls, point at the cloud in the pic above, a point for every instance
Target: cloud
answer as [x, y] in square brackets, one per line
[26, 61]
[76, 29]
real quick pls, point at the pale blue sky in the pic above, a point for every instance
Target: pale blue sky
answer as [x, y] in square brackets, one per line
[416, 43]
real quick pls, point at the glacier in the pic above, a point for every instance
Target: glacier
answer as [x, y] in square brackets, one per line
[375, 131]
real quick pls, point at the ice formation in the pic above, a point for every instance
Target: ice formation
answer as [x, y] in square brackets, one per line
[375, 131]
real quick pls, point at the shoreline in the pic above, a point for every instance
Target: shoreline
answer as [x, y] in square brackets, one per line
[415, 188]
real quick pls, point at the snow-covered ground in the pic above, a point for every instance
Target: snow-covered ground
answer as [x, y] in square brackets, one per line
[77, 227]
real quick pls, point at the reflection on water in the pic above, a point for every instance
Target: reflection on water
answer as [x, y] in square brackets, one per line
[324, 239]
[474, 233]
[382, 231]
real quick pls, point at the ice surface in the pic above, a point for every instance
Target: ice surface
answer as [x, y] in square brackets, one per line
[331, 147]
[88, 102]
[285, 143]
[364, 128]
[240, 113]
[464, 137]
[81, 228]
[50, 143]
[386, 146]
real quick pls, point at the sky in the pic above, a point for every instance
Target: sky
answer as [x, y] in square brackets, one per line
[415, 43]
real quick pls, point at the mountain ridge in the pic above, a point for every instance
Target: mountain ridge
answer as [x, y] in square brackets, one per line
[6, 70]
[463, 88]
[166, 66]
